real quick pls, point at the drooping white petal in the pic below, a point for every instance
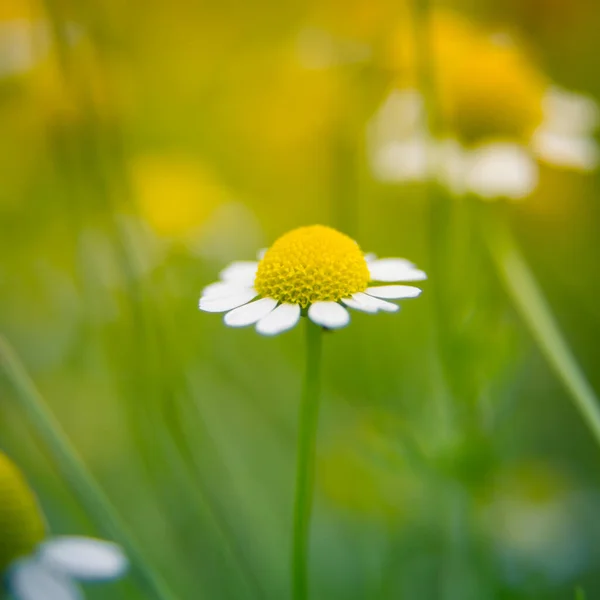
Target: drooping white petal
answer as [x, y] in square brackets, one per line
[242, 272]
[250, 313]
[395, 269]
[31, 579]
[352, 303]
[329, 314]
[284, 317]
[394, 292]
[83, 558]
[369, 304]
[571, 152]
[501, 171]
[225, 303]
[223, 288]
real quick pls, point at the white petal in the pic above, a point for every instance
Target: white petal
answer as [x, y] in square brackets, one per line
[569, 113]
[402, 160]
[242, 272]
[250, 313]
[395, 269]
[400, 116]
[370, 257]
[394, 292]
[223, 288]
[225, 303]
[357, 305]
[501, 171]
[30, 579]
[360, 301]
[329, 314]
[261, 253]
[410, 275]
[572, 152]
[84, 558]
[284, 317]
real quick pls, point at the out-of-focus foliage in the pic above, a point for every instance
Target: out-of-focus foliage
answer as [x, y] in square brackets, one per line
[146, 145]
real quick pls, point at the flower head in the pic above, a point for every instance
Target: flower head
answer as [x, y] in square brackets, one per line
[314, 270]
[35, 568]
[499, 115]
[486, 85]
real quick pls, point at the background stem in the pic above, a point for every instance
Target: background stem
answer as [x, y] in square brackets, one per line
[537, 314]
[305, 462]
[73, 469]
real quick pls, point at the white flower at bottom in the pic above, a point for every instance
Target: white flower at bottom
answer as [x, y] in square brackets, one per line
[316, 271]
[51, 572]
[35, 568]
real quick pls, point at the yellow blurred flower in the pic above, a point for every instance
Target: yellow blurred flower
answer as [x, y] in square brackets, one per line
[356, 19]
[175, 195]
[286, 114]
[487, 86]
[22, 526]
[59, 76]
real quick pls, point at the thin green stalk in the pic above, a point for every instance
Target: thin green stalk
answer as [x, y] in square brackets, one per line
[580, 593]
[82, 482]
[537, 314]
[305, 461]
[425, 67]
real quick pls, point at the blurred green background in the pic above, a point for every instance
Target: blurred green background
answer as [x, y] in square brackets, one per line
[147, 144]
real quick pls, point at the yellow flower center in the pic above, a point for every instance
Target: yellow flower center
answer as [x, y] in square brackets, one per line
[21, 523]
[487, 88]
[312, 264]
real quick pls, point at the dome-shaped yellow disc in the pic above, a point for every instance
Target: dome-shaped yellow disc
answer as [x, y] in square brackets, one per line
[312, 264]
[22, 526]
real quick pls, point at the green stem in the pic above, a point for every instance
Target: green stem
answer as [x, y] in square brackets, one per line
[580, 593]
[537, 314]
[305, 461]
[425, 68]
[82, 482]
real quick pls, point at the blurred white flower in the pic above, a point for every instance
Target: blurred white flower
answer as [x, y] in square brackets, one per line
[24, 43]
[51, 572]
[401, 151]
[537, 523]
[33, 567]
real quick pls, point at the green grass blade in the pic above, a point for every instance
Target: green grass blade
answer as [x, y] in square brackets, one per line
[72, 467]
[537, 315]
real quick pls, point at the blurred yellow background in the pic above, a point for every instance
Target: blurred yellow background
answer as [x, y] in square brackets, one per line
[146, 145]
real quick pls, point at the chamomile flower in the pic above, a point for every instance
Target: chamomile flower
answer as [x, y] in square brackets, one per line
[499, 116]
[312, 271]
[34, 567]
